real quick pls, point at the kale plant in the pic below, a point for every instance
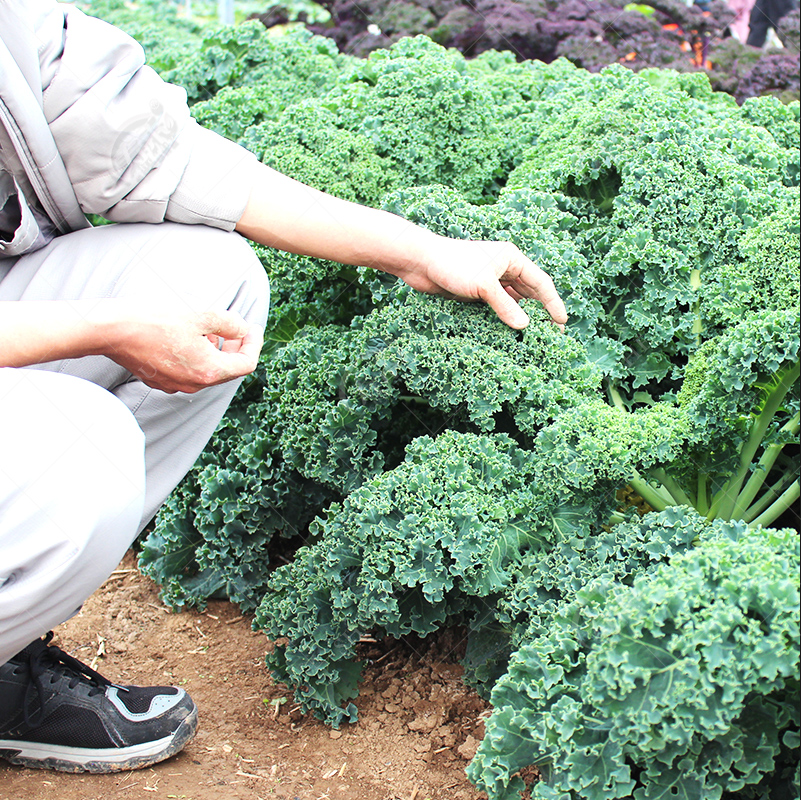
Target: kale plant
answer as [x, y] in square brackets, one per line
[593, 35]
[680, 683]
[407, 552]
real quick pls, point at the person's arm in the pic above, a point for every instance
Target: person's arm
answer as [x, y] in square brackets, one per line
[174, 352]
[289, 215]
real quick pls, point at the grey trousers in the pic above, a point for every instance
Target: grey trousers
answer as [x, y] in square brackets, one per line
[88, 452]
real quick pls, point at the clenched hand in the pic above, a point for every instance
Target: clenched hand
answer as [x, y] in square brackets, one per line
[184, 352]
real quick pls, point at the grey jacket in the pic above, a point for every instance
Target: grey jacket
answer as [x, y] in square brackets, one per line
[86, 127]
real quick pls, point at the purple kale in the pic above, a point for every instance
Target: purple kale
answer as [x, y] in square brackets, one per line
[774, 73]
[788, 31]
[590, 33]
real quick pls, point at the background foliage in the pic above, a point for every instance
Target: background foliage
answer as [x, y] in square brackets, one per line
[590, 33]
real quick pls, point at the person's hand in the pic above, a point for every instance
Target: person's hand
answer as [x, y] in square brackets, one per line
[181, 352]
[291, 216]
[494, 272]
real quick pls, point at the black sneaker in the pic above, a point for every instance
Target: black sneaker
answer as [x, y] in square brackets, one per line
[57, 713]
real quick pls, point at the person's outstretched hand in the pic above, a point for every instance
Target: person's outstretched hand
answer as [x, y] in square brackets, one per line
[494, 272]
[291, 216]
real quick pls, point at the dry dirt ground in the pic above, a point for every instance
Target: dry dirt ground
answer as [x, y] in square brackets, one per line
[418, 725]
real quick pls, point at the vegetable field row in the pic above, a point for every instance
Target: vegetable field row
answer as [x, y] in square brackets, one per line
[420, 465]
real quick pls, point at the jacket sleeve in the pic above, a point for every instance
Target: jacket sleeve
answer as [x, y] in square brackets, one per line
[131, 150]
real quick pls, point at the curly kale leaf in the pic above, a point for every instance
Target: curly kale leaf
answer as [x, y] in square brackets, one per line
[594, 448]
[662, 203]
[212, 536]
[232, 111]
[308, 143]
[294, 66]
[775, 74]
[766, 274]
[741, 394]
[651, 245]
[682, 683]
[339, 396]
[413, 114]
[407, 552]
[577, 554]
[427, 117]
[724, 446]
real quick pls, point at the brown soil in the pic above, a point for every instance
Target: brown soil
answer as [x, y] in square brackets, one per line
[418, 725]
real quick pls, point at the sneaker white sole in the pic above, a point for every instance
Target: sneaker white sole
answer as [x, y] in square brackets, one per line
[112, 759]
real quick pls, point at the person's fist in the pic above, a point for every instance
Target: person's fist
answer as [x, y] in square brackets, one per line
[180, 352]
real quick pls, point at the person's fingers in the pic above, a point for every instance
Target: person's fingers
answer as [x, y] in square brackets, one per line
[549, 297]
[252, 343]
[231, 345]
[227, 324]
[528, 280]
[235, 363]
[504, 306]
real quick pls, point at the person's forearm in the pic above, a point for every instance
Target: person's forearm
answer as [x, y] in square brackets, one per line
[289, 215]
[170, 350]
[36, 332]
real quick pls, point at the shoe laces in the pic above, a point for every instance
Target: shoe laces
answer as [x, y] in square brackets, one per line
[44, 659]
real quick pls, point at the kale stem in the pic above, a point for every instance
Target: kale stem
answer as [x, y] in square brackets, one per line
[659, 499]
[649, 494]
[763, 468]
[616, 397]
[787, 500]
[717, 499]
[672, 486]
[759, 427]
[702, 501]
[770, 494]
[698, 325]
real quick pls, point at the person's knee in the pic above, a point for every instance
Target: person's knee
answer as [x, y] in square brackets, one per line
[71, 490]
[72, 447]
[252, 299]
[195, 267]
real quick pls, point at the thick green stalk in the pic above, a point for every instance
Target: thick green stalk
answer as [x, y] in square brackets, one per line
[659, 499]
[651, 495]
[787, 500]
[702, 486]
[671, 484]
[702, 501]
[616, 397]
[770, 494]
[727, 498]
[698, 325]
[763, 468]
[717, 499]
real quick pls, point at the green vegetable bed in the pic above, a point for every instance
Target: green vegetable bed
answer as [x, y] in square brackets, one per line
[422, 466]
